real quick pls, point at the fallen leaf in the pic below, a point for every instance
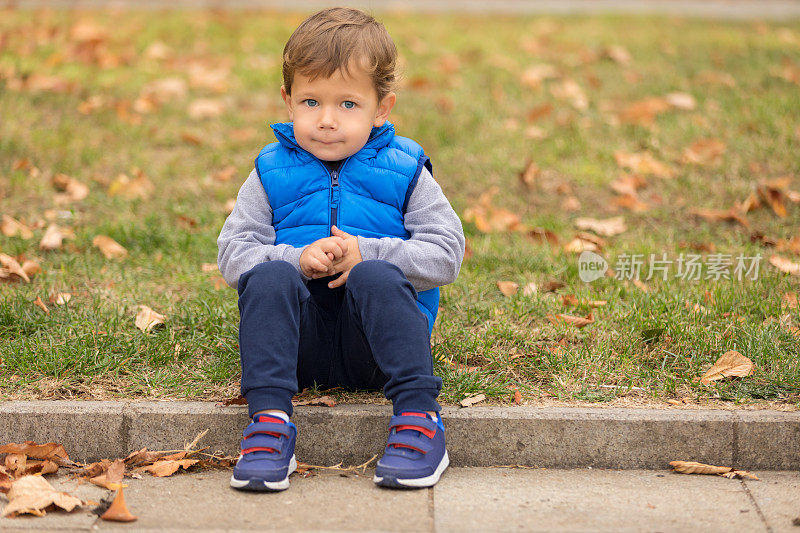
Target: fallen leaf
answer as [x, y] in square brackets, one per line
[682, 101]
[488, 218]
[716, 215]
[72, 189]
[326, 401]
[142, 457]
[472, 400]
[60, 298]
[164, 468]
[238, 400]
[643, 163]
[51, 451]
[109, 247]
[731, 363]
[147, 319]
[618, 53]
[52, 238]
[11, 267]
[203, 108]
[138, 187]
[577, 321]
[579, 245]
[118, 511]
[644, 111]
[528, 175]
[11, 227]
[781, 263]
[112, 476]
[608, 227]
[692, 467]
[31, 268]
[34, 495]
[517, 397]
[41, 305]
[508, 288]
[704, 152]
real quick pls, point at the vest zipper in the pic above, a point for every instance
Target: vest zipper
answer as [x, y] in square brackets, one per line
[334, 198]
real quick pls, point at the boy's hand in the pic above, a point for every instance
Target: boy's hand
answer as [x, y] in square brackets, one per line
[351, 257]
[318, 259]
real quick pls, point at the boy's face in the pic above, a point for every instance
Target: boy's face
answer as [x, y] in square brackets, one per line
[334, 116]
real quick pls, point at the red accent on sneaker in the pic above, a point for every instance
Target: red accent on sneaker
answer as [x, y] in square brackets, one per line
[413, 413]
[260, 449]
[398, 445]
[427, 432]
[268, 418]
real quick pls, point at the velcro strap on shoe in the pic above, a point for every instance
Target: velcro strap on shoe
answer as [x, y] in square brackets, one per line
[407, 440]
[268, 428]
[424, 425]
[262, 440]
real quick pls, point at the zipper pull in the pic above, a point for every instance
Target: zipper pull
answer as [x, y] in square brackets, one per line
[335, 178]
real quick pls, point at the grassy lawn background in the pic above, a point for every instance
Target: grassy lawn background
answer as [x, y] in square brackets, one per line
[76, 98]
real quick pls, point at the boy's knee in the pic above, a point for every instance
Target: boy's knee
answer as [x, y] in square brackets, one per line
[269, 274]
[374, 273]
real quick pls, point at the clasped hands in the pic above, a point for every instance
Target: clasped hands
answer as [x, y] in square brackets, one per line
[331, 255]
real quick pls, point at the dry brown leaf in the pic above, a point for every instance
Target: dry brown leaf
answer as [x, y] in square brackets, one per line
[618, 53]
[682, 101]
[52, 238]
[109, 247]
[643, 163]
[577, 321]
[165, 90]
[572, 92]
[528, 175]
[326, 401]
[716, 215]
[238, 400]
[118, 511]
[785, 265]
[147, 319]
[542, 236]
[704, 152]
[142, 457]
[608, 227]
[644, 111]
[59, 298]
[31, 268]
[203, 108]
[508, 288]
[225, 174]
[72, 189]
[138, 187]
[534, 75]
[112, 477]
[33, 495]
[578, 245]
[12, 269]
[51, 451]
[488, 218]
[789, 300]
[41, 305]
[692, 467]
[11, 227]
[731, 363]
[517, 396]
[166, 467]
[472, 400]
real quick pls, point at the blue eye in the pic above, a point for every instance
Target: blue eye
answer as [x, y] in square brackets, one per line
[311, 102]
[348, 104]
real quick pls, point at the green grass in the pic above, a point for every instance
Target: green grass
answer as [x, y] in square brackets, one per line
[645, 345]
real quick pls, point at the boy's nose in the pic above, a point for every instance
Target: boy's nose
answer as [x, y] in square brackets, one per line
[327, 120]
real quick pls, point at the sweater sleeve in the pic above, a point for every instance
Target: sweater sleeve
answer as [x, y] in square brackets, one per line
[247, 237]
[432, 255]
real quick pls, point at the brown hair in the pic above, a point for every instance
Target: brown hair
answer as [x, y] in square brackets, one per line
[327, 41]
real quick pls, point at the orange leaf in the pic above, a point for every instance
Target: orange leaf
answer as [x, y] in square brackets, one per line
[508, 288]
[118, 511]
[731, 363]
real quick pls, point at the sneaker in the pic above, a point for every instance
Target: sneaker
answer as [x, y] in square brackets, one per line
[415, 455]
[267, 456]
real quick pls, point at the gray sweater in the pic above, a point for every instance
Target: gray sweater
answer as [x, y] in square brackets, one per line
[431, 256]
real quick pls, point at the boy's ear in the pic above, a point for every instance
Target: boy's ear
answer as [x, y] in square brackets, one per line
[384, 108]
[287, 99]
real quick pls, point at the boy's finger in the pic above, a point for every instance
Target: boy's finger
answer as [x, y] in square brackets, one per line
[338, 282]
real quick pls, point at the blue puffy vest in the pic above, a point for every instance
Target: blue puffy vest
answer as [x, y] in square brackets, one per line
[367, 196]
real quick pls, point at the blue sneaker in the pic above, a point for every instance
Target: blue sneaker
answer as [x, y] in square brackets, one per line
[267, 456]
[415, 455]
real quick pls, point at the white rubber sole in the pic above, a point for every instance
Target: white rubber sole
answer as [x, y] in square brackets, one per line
[421, 482]
[260, 484]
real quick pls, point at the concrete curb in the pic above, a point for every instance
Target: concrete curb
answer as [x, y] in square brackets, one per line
[477, 436]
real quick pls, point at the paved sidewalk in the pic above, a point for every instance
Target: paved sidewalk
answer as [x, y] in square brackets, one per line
[466, 499]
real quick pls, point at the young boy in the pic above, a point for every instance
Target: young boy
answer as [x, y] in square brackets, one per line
[337, 244]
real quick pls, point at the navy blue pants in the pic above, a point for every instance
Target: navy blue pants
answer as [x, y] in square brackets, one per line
[367, 334]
